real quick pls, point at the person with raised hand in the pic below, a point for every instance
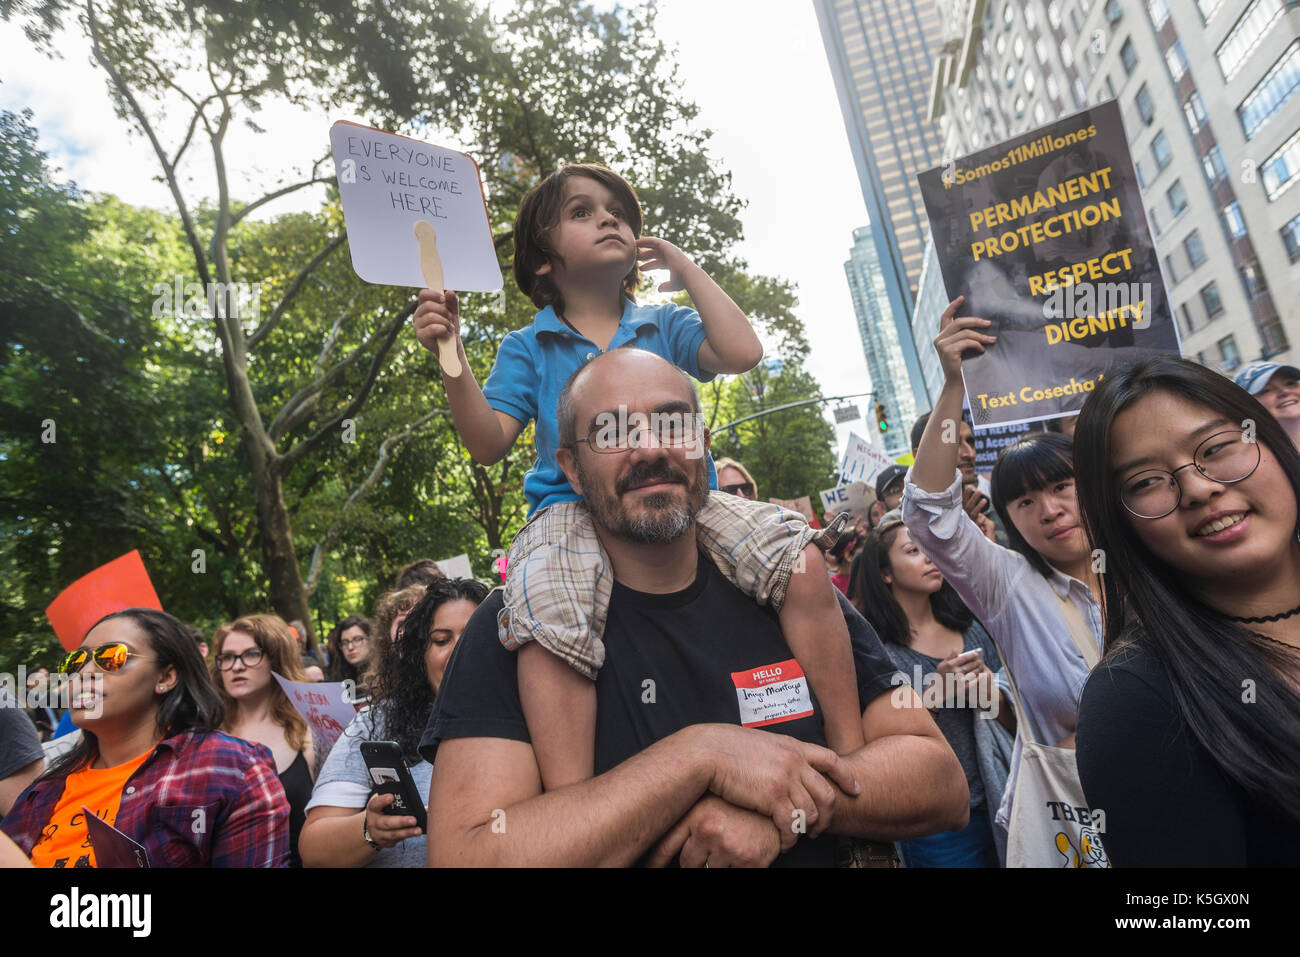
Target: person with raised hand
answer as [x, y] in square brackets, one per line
[1038, 598]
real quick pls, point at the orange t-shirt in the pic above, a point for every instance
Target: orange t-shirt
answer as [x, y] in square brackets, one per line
[64, 842]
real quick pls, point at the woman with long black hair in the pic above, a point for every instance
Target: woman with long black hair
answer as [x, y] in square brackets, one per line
[1189, 730]
[346, 824]
[1038, 598]
[931, 636]
[151, 762]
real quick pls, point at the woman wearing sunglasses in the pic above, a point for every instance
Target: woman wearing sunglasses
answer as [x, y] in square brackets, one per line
[1189, 729]
[151, 762]
[246, 653]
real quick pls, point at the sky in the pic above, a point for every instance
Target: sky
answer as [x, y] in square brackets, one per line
[756, 68]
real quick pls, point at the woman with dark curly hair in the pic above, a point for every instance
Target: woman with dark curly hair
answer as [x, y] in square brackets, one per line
[346, 824]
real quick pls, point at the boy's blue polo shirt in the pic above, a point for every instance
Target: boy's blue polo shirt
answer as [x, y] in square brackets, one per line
[533, 364]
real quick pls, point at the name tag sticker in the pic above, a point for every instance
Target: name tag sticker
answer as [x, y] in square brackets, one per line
[772, 693]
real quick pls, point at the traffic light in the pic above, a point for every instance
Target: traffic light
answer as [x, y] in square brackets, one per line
[882, 419]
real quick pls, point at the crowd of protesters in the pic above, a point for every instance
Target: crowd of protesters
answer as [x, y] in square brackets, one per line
[1088, 658]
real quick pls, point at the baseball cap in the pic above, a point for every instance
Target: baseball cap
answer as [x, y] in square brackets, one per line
[888, 475]
[1254, 377]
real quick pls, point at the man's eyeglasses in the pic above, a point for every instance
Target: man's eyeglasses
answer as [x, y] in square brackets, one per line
[110, 657]
[743, 489]
[346, 643]
[1225, 457]
[250, 658]
[670, 430]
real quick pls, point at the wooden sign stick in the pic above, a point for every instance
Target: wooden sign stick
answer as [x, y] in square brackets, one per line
[431, 266]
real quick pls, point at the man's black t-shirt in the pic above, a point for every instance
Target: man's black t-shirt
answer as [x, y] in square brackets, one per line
[671, 661]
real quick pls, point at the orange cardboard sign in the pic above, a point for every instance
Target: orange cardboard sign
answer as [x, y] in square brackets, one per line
[121, 583]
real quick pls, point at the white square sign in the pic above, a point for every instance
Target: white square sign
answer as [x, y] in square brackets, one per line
[388, 183]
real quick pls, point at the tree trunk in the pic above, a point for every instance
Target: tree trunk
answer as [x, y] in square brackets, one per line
[279, 560]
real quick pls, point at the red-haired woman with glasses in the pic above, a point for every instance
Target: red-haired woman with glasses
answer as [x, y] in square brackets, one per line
[151, 761]
[247, 654]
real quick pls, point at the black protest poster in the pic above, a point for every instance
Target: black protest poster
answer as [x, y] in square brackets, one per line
[1046, 236]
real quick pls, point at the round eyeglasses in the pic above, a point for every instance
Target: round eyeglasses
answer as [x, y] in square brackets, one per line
[250, 659]
[110, 657]
[1225, 457]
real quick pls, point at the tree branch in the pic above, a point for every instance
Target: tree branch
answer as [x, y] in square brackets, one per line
[292, 290]
[385, 451]
[286, 461]
[285, 191]
[297, 407]
[169, 171]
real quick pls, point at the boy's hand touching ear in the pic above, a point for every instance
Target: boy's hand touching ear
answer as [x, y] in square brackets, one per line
[437, 315]
[660, 254]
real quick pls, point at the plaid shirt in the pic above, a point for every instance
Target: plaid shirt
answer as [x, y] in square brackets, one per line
[201, 799]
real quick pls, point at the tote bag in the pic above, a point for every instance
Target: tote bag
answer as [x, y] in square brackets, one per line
[1051, 824]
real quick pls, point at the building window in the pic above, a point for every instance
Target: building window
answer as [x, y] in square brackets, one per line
[1020, 107]
[1177, 197]
[1001, 44]
[1215, 167]
[1146, 109]
[1141, 175]
[1210, 299]
[1031, 19]
[1018, 47]
[1156, 226]
[1176, 59]
[1194, 110]
[1291, 238]
[1008, 14]
[1187, 317]
[1246, 34]
[1128, 56]
[1228, 355]
[1074, 20]
[1054, 14]
[1031, 80]
[1274, 337]
[1272, 92]
[1040, 111]
[1080, 93]
[1170, 271]
[1253, 277]
[1160, 151]
[1040, 48]
[1208, 8]
[1281, 170]
[1194, 248]
[1232, 219]
[1067, 53]
[1159, 10]
[1010, 75]
[1053, 88]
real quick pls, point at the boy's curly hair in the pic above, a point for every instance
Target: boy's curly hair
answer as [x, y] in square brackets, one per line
[539, 213]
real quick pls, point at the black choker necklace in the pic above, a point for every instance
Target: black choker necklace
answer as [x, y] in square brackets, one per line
[1267, 618]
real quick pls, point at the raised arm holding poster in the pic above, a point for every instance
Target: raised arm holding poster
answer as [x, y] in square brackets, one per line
[1046, 236]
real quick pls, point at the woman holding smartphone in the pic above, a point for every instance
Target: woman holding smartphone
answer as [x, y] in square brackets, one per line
[1039, 598]
[950, 661]
[346, 822]
[1189, 729]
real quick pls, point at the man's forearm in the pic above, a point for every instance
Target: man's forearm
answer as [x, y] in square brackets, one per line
[911, 786]
[606, 821]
